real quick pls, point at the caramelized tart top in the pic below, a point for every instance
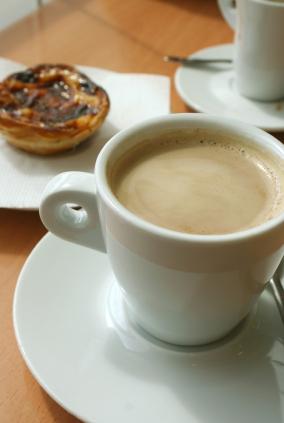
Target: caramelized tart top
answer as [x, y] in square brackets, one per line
[51, 97]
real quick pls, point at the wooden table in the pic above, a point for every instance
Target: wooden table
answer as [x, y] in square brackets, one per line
[122, 35]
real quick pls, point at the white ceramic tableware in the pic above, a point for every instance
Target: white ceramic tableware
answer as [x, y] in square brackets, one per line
[181, 288]
[259, 59]
[212, 89]
[75, 336]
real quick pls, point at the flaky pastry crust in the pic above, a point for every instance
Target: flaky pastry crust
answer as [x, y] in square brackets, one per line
[50, 108]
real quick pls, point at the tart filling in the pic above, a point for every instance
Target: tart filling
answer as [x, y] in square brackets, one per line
[54, 102]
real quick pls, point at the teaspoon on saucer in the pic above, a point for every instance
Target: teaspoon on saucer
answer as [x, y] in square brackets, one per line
[192, 60]
[278, 291]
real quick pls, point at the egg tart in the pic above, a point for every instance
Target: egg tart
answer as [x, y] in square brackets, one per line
[49, 108]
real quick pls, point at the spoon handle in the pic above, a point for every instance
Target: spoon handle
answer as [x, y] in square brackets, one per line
[193, 60]
[278, 292]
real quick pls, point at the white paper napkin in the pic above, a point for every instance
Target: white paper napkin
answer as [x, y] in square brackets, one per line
[133, 97]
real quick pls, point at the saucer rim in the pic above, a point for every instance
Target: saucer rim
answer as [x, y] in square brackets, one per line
[198, 107]
[35, 374]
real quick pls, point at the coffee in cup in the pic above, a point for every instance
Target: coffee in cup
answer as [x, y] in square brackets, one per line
[197, 185]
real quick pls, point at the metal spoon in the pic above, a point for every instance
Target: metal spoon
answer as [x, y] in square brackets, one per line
[192, 60]
[278, 291]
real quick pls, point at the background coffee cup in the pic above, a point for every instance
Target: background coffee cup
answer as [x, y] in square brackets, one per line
[181, 288]
[259, 59]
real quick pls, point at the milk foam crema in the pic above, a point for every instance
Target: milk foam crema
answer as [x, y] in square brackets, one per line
[200, 186]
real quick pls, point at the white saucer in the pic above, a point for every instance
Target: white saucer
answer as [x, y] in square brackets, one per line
[211, 89]
[75, 336]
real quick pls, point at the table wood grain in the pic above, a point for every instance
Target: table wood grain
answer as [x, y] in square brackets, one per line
[122, 35]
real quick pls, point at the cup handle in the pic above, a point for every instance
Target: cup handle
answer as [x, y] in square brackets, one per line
[228, 10]
[80, 226]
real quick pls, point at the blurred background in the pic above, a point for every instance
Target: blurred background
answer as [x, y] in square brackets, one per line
[13, 10]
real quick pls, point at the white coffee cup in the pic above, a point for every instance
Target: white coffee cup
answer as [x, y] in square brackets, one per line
[259, 40]
[183, 289]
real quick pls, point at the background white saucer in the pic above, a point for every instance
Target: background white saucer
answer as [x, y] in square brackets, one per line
[74, 335]
[211, 89]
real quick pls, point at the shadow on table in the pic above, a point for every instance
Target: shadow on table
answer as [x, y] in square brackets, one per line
[279, 136]
[23, 222]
